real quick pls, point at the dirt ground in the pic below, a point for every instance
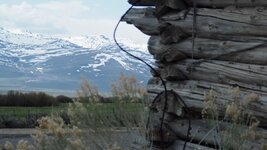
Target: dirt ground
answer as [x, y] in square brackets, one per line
[14, 135]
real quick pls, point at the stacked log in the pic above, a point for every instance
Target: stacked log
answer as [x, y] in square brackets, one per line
[229, 50]
[206, 3]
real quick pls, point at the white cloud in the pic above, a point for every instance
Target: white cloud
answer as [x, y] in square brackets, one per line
[50, 13]
[63, 18]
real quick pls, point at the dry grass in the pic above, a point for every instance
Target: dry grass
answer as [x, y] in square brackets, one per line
[128, 89]
[242, 124]
[89, 128]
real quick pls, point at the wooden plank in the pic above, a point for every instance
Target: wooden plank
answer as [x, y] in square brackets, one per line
[192, 92]
[245, 52]
[208, 3]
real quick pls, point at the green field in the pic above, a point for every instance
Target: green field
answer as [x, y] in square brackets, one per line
[21, 112]
[105, 108]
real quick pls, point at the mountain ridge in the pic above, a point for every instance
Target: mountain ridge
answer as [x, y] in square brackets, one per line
[40, 62]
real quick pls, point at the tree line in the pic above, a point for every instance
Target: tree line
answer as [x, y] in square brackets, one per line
[31, 99]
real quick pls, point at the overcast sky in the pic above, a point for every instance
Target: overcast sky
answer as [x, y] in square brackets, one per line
[68, 17]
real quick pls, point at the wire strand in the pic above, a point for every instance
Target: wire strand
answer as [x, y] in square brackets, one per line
[157, 75]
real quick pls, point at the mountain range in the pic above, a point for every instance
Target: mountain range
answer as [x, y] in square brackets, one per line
[34, 62]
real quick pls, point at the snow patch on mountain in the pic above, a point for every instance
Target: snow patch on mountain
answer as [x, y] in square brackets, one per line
[130, 45]
[102, 58]
[92, 42]
[97, 42]
[13, 36]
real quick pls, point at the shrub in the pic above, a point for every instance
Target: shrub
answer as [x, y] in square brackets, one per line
[8, 121]
[91, 127]
[88, 92]
[64, 99]
[128, 89]
[240, 125]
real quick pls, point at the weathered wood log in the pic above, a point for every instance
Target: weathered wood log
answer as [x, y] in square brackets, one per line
[211, 132]
[140, 19]
[170, 34]
[192, 92]
[210, 22]
[225, 3]
[165, 6]
[244, 52]
[208, 3]
[142, 2]
[179, 144]
[234, 34]
[217, 71]
[202, 131]
[174, 127]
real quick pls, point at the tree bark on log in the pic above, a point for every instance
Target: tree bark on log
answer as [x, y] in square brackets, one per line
[208, 3]
[216, 71]
[243, 52]
[192, 93]
[220, 22]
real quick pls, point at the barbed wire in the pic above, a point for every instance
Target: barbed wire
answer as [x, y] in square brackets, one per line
[157, 74]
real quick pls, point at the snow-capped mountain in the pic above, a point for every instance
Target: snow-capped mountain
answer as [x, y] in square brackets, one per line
[22, 38]
[95, 42]
[31, 61]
